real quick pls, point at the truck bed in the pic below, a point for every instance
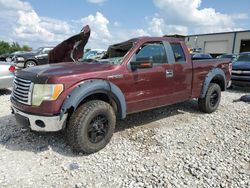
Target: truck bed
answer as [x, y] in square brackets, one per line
[201, 69]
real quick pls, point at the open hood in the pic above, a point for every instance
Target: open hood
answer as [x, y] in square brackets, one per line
[79, 71]
[70, 49]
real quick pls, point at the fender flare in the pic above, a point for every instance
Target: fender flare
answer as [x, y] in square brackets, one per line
[91, 87]
[217, 72]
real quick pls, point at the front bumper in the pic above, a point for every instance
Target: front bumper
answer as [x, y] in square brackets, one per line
[241, 80]
[40, 123]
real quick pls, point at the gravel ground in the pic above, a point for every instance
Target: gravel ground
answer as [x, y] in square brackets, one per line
[175, 146]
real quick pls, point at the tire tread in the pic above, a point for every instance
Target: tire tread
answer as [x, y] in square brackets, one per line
[203, 102]
[73, 131]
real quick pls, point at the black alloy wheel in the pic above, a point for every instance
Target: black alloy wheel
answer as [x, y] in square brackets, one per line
[211, 101]
[214, 99]
[91, 126]
[97, 129]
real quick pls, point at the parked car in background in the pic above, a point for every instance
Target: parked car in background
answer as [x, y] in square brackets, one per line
[241, 70]
[33, 58]
[10, 56]
[200, 56]
[7, 71]
[94, 54]
[230, 56]
[4, 56]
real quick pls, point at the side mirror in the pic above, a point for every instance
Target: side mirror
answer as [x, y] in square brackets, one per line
[141, 64]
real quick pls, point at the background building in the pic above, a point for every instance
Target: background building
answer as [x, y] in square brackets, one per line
[220, 43]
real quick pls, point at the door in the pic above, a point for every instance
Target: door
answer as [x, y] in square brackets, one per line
[169, 80]
[216, 47]
[245, 46]
[182, 72]
[43, 57]
[150, 85]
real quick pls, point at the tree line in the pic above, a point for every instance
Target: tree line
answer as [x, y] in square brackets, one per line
[6, 47]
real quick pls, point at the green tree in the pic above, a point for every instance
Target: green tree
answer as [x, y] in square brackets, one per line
[26, 48]
[6, 47]
[15, 47]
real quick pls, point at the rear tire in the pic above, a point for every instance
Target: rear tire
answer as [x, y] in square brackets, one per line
[30, 64]
[91, 127]
[212, 99]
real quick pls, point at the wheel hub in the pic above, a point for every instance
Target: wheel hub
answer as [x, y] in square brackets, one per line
[214, 98]
[98, 129]
[30, 65]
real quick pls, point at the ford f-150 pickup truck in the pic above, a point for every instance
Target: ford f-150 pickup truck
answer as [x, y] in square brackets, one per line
[85, 98]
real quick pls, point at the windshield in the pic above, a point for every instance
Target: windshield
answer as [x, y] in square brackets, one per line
[113, 56]
[36, 50]
[89, 54]
[112, 61]
[244, 57]
[201, 56]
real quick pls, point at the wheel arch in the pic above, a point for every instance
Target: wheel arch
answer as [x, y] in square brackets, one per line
[96, 89]
[217, 76]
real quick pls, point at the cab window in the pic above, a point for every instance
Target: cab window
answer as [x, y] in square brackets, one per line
[178, 53]
[152, 51]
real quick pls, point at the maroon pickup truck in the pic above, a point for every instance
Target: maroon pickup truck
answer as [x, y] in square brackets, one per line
[86, 98]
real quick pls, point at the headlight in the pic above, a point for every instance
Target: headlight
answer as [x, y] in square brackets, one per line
[49, 92]
[20, 59]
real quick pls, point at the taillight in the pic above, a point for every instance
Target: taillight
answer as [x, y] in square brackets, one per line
[12, 68]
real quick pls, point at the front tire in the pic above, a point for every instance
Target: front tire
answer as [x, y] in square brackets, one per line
[91, 127]
[212, 99]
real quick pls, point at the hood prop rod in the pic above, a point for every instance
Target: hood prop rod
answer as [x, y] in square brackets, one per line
[72, 51]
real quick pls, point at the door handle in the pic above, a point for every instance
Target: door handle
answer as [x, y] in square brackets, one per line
[169, 73]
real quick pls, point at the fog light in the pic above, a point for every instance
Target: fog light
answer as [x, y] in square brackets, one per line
[40, 123]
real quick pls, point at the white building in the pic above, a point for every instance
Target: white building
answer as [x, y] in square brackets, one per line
[220, 43]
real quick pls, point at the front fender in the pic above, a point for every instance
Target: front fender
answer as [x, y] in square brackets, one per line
[214, 73]
[91, 87]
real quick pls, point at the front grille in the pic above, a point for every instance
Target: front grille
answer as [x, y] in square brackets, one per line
[241, 72]
[22, 90]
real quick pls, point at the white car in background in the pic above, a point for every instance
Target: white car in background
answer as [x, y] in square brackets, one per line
[94, 54]
[7, 73]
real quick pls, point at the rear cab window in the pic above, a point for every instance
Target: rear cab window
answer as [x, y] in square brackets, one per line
[178, 52]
